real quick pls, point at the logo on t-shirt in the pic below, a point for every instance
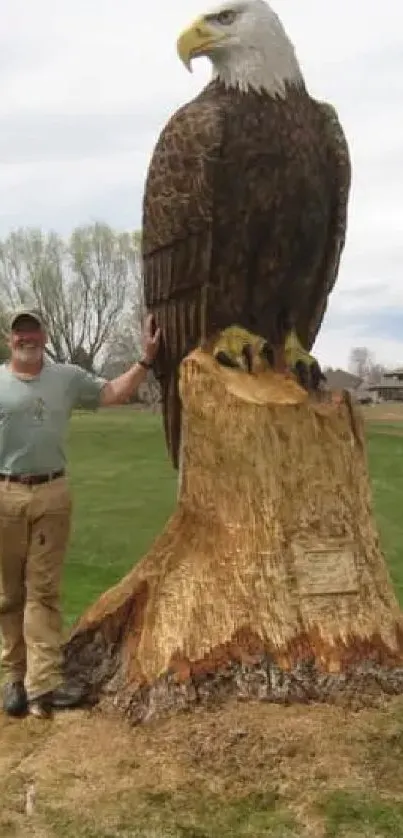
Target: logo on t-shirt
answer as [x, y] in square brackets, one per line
[39, 409]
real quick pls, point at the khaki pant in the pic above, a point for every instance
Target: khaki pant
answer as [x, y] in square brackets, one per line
[34, 532]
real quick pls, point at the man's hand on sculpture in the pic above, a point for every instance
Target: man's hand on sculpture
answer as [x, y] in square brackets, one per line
[151, 339]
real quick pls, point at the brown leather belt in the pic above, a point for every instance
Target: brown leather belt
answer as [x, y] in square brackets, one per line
[31, 479]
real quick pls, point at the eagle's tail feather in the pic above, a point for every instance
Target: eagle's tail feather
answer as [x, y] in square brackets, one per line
[172, 411]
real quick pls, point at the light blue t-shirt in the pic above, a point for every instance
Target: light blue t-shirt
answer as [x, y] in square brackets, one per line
[34, 415]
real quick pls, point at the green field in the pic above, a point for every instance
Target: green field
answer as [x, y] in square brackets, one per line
[385, 452]
[243, 771]
[124, 490]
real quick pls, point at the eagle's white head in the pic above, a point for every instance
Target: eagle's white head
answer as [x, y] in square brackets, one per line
[247, 45]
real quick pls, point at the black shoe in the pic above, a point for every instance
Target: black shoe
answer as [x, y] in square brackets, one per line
[14, 699]
[62, 698]
[41, 707]
[66, 696]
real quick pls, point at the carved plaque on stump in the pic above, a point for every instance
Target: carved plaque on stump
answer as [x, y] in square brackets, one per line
[325, 569]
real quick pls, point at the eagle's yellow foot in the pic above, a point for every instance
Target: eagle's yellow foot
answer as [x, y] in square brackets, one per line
[236, 347]
[302, 364]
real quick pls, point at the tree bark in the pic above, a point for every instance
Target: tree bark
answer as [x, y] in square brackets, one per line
[268, 580]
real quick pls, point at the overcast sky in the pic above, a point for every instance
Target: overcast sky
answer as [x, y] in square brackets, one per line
[86, 86]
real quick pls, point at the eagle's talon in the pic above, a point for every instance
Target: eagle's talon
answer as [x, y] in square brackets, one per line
[301, 371]
[267, 354]
[317, 376]
[247, 355]
[309, 376]
[304, 366]
[237, 348]
[225, 360]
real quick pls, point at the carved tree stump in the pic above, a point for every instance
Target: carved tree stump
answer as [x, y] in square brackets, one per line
[268, 580]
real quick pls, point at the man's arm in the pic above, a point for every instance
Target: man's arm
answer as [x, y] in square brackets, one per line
[121, 389]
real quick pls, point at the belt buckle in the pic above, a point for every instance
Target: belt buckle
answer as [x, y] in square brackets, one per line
[26, 479]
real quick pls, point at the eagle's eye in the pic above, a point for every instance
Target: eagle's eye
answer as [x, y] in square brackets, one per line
[226, 17]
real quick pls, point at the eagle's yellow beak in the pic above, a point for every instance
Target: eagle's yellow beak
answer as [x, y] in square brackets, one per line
[197, 40]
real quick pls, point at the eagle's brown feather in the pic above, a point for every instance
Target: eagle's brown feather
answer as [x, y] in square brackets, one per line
[339, 163]
[244, 220]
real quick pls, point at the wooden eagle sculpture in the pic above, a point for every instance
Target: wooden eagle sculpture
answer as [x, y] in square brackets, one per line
[245, 208]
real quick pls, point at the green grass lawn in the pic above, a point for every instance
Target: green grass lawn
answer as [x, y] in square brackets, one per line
[124, 490]
[385, 451]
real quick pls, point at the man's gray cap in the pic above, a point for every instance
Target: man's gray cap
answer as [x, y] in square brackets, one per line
[26, 311]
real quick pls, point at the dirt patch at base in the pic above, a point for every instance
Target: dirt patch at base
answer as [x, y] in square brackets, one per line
[93, 776]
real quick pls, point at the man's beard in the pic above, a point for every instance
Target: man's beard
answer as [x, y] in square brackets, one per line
[29, 355]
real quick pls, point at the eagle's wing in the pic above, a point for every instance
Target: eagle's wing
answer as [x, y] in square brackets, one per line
[339, 168]
[177, 242]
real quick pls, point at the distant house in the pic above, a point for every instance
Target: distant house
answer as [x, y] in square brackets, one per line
[342, 380]
[390, 387]
[364, 395]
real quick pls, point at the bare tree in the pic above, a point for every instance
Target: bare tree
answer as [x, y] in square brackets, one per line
[360, 361]
[376, 373]
[81, 285]
[124, 346]
[4, 350]
[362, 364]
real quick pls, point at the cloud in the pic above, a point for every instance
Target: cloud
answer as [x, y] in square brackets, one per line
[86, 90]
[65, 137]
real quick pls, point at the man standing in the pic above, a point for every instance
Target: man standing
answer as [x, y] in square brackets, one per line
[36, 399]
